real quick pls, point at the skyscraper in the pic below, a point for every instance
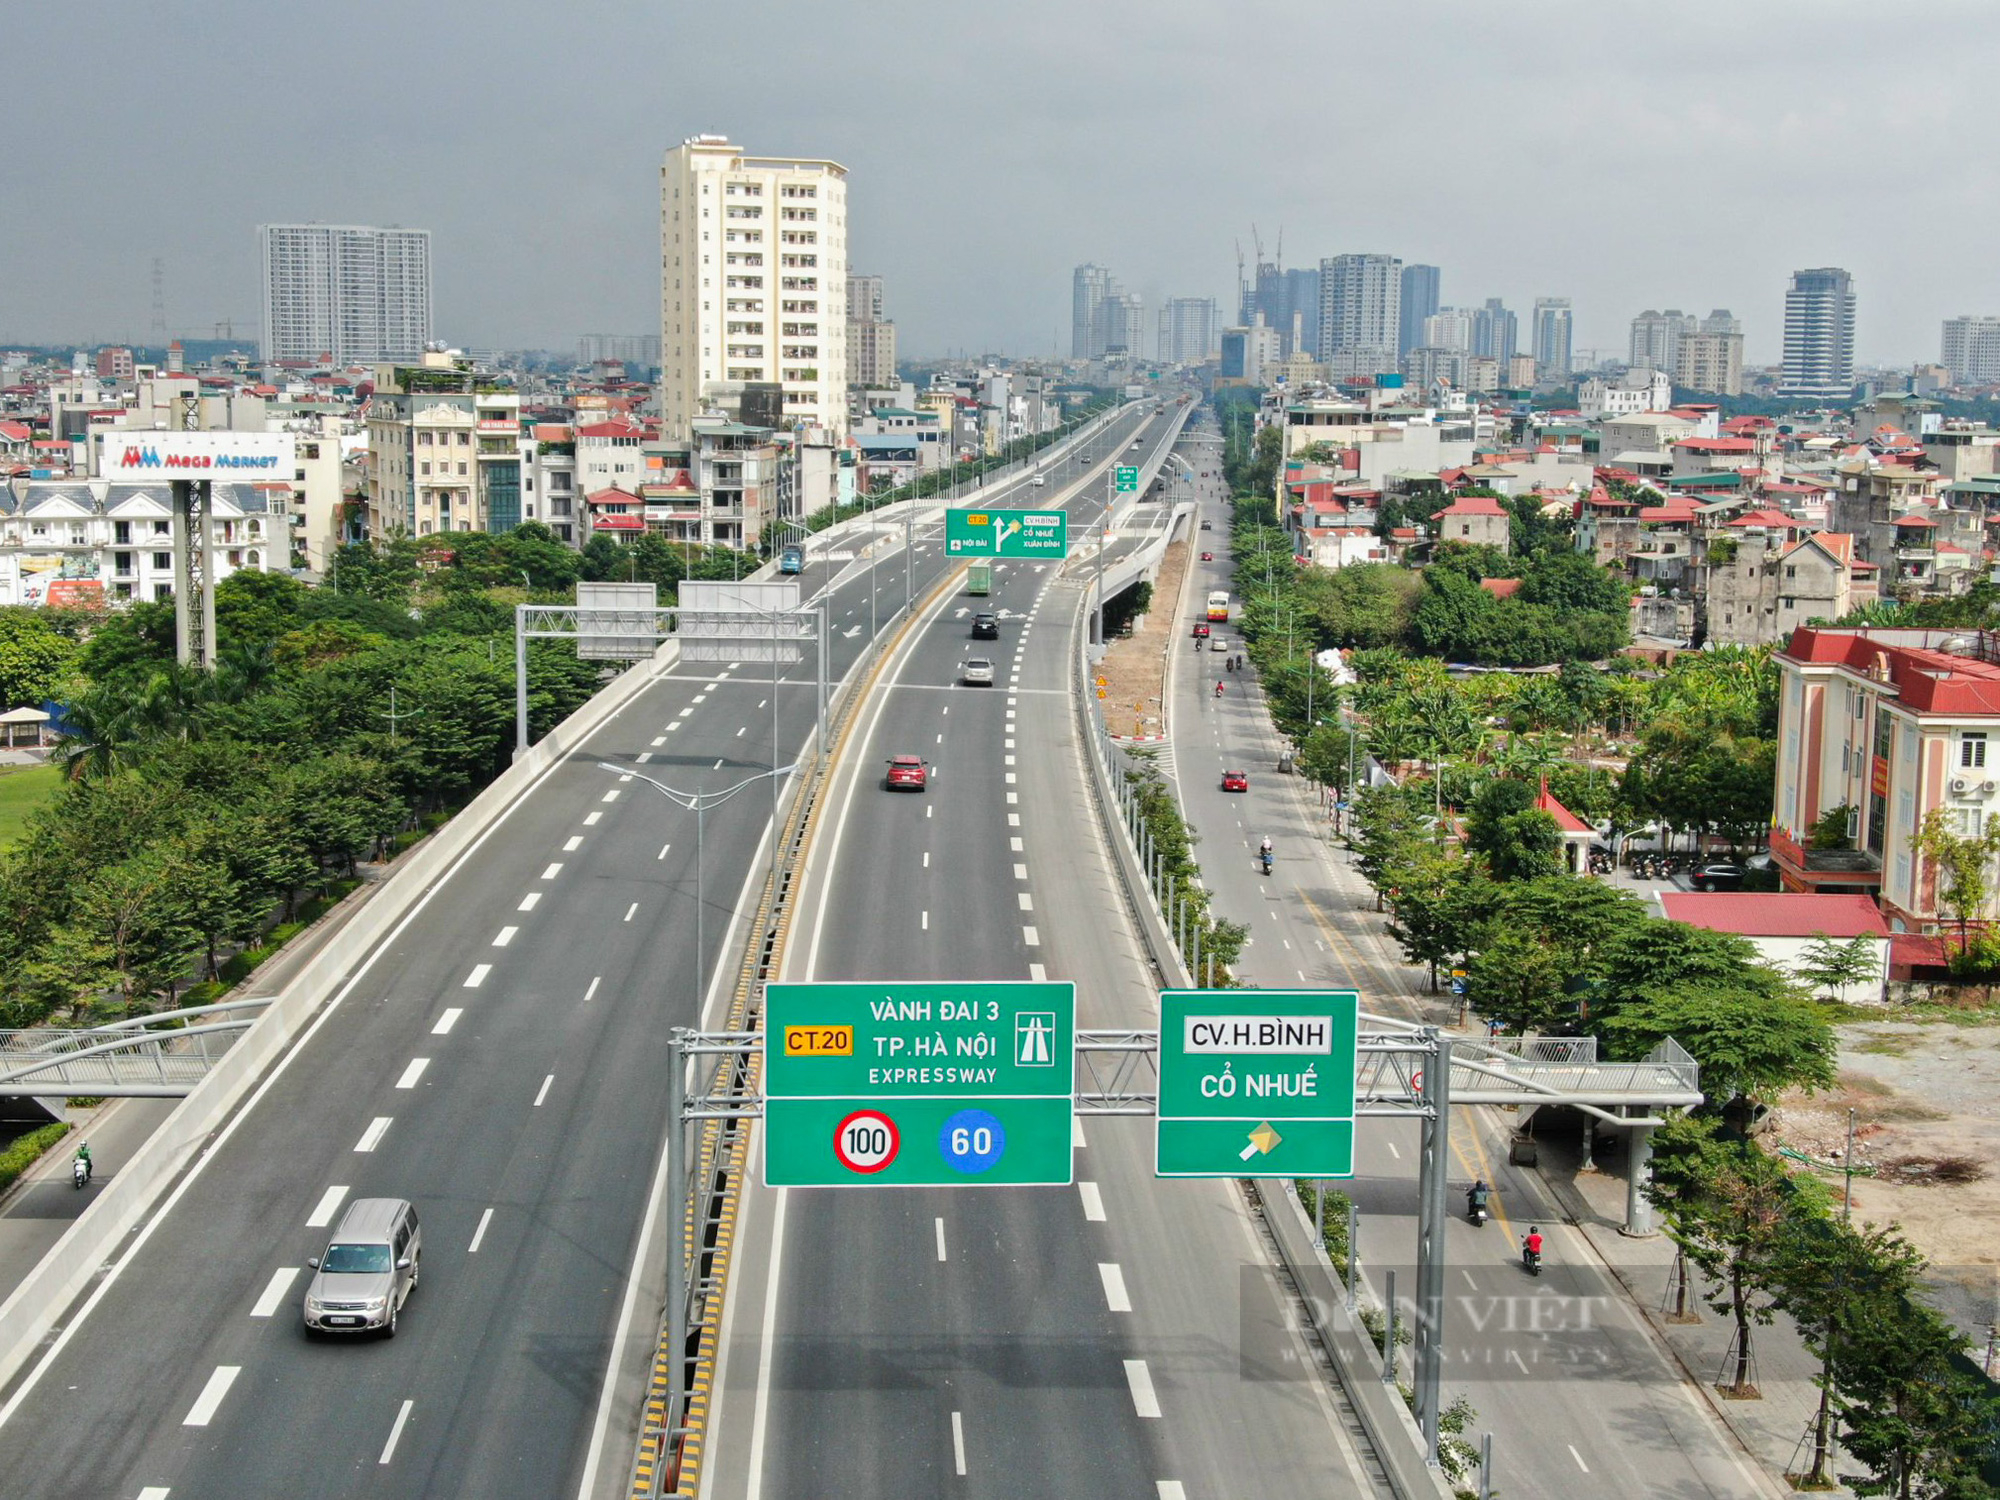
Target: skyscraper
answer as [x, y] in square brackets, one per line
[1419, 292]
[1552, 347]
[1972, 349]
[871, 338]
[1819, 335]
[1656, 339]
[1121, 325]
[1495, 331]
[1089, 287]
[1187, 330]
[753, 282]
[349, 292]
[1360, 304]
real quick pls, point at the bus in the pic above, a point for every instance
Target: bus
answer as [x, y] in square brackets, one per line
[792, 560]
[1218, 605]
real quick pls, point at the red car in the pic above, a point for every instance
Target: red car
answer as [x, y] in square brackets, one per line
[1236, 781]
[1208, 557]
[1201, 630]
[906, 773]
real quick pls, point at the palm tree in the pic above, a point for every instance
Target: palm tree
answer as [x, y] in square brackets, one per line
[98, 736]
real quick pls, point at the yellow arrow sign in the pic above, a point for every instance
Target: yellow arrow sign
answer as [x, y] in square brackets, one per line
[1262, 1139]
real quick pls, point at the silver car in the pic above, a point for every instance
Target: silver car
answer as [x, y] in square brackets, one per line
[368, 1271]
[976, 672]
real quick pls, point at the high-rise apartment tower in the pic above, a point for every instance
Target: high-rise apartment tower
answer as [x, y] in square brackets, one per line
[753, 282]
[1360, 307]
[1552, 338]
[1419, 300]
[351, 293]
[1819, 335]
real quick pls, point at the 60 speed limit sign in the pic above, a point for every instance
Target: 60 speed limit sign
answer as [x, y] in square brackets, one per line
[866, 1141]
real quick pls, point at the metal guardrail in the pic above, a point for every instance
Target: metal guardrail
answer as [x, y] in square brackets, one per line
[147, 1057]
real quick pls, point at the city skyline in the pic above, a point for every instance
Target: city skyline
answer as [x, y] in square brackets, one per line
[1015, 220]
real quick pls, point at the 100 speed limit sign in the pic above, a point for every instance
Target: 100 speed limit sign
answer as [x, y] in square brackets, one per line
[866, 1141]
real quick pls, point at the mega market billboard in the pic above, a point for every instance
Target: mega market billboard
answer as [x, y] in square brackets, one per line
[139, 457]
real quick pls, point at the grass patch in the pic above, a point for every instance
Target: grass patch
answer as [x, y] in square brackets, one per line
[1886, 1044]
[28, 1150]
[22, 790]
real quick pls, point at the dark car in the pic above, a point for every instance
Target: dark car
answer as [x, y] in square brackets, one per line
[1722, 877]
[986, 627]
[906, 774]
[1208, 526]
[1236, 781]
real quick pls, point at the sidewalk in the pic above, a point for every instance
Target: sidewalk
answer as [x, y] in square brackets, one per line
[1771, 1428]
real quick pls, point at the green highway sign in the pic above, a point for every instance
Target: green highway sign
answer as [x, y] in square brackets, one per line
[1256, 1083]
[1127, 479]
[918, 1085]
[1006, 533]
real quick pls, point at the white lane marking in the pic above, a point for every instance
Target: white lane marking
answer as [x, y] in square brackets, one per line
[1578, 1457]
[478, 976]
[1392, 1150]
[218, 1387]
[155, 1492]
[643, 756]
[718, 764]
[1007, 744]
[372, 1136]
[1140, 1379]
[928, 811]
[739, 733]
[573, 843]
[610, 796]
[927, 859]
[659, 742]
[675, 725]
[479, 1234]
[663, 851]
[1014, 845]
[701, 697]
[1020, 872]
[389, 1448]
[274, 1291]
[1027, 901]
[1093, 1201]
[762, 701]
[1038, 972]
[1115, 1295]
[1014, 799]
[530, 901]
[925, 925]
[504, 936]
[765, 1338]
[940, 739]
[322, 1214]
[1031, 937]
[1076, 1131]
[682, 715]
[626, 777]
[590, 819]
[958, 1441]
[595, 980]
[1169, 1489]
[1007, 760]
[543, 1092]
[630, 909]
[552, 871]
[940, 1239]
[413, 1072]
[446, 1021]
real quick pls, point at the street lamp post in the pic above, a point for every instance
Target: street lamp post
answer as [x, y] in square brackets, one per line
[700, 802]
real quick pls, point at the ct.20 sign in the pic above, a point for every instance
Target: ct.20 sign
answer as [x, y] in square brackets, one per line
[918, 1084]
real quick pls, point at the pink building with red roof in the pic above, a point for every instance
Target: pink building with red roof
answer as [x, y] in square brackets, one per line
[1782, 926]
[1476, 520]
[1892, 725]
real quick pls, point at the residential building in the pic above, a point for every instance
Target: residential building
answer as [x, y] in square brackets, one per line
[1090, 288]
[1187, 331]
[1426, 365]
[1447, 328]
[1710, 362]
[1360, 302]
[1621, 395]
[1495, 332]
[1288, 301]
[871, 338]
[1762, 581]
[1122, 317]
[345, 293]
[83, 541]
[1656, 338]
[1783, 926]
[1552, 339]
[444, 450]
[1971, 350]
[115, 363]
[640, 349]
[1890, 726]
[1819, 335]
[1521, 372]
[1476, 520]
[753, 283]
[1417, 300]
[1247, 353]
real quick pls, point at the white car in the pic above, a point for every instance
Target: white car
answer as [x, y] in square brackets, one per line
[976, 671]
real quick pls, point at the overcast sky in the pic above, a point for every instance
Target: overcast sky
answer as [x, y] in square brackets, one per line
[1626, 156]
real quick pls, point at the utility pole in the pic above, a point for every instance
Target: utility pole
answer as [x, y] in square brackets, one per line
[394, 717]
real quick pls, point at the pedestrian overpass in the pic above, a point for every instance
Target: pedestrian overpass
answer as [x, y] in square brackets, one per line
[161, 1056]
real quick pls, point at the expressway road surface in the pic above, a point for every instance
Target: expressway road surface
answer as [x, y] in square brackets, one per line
[1562, 1370]
[1118, 1337]
[496, 1060]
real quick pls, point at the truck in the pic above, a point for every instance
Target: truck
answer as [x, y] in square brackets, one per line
[979, 576]
[792, 560]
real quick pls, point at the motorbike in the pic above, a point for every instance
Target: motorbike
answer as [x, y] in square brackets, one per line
[1265, 857]
[79, 1171]
[1531, 1261]
[1475, 1210]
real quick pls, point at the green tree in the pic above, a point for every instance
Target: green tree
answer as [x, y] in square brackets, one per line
[1751, 1045]
[140, 909]
[1830, 966]
[1516, 839]
[1435, 892]
[1519, 980]
[1725, 1203]
[1912, 1409]
[1962, 862]
[34, 659]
